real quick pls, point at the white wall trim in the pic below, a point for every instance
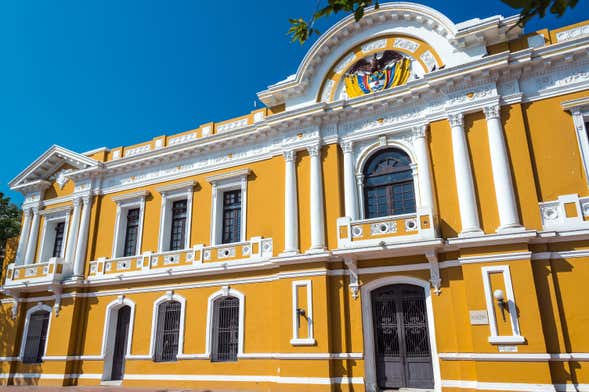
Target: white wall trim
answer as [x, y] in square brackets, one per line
[170, 194]
[221, 183]
[225, 292]
[580, 112]
[170, 296]
[512, 310]
[50, 220]
[519, 357]
[500, 386]
[495, 257]
[110, 325]
[367, 320]
[124, 204]
[310, 339]
[39, 306]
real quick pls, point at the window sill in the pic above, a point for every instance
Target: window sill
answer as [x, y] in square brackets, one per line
[516, 339]
[303, 342]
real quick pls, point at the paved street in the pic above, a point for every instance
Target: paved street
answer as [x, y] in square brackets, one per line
[99, 389]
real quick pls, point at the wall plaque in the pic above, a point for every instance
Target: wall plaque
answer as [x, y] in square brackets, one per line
[478, 317]
[507, 349]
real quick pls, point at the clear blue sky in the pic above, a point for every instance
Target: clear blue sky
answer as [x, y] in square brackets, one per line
[86, 74]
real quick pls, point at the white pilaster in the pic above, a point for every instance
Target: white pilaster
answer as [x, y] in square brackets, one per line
[316, 200]
[467, 201]
[506, 203]
[24, 237]
[291, 221]
[424, 173]
[32, 241]
[350, 189]
[72, 237]
[80, 256]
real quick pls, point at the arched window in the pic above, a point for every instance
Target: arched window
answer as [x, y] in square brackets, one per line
[36, 336]
[168, 331]
[388, 184]
[225, 329]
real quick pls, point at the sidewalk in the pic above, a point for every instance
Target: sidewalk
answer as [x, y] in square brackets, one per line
[24, 388]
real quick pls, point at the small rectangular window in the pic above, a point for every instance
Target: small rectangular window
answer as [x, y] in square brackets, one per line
[131, 232]
[58, 241]
[36, 337]
[178, 230]
[231, 217]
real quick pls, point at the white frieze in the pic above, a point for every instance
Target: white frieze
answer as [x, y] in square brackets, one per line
[378, 44]
[403, 43]
[345, 62]
[574, 33]
[471, 95]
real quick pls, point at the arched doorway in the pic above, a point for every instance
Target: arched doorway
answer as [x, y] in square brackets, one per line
[402, 350]
[117, 341]
[399, 337]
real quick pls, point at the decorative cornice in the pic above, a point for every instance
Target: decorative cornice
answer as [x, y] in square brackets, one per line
[184, 185]
[229, 176]
[133, 195]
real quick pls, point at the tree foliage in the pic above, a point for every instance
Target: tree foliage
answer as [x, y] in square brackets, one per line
[9, 222]
[301, 29]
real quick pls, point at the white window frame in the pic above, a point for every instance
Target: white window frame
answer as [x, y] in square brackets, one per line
[310, 339]
[515, 337]
[23, 341]
[170, 194]
[169, 296]
[51, 218]
[110, 330]
[226, 291]
[579, 109]
[222, 183]
[125, 203]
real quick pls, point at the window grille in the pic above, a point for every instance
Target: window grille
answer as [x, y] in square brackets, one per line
[178, 232]
[58, 242]
[36, 337]
[225, 329]
[389, 186]
[167, 332]
[132, 232]
[231, 217]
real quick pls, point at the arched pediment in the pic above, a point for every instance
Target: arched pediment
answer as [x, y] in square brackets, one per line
[449, 45]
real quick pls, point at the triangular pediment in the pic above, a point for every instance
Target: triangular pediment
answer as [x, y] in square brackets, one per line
[51, 161]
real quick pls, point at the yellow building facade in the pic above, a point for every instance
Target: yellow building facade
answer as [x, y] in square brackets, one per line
[409, 210]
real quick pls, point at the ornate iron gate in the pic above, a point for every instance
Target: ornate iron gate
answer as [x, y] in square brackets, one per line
[120, 349]
[403, 355]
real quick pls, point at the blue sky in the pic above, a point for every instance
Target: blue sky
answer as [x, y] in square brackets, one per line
[86, 74]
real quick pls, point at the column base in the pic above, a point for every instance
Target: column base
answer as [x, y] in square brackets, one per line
[511, 228]
[471, 232]
[289, 253]
[316, 250]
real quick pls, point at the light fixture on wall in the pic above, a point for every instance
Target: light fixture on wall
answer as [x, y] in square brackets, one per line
[500, 297]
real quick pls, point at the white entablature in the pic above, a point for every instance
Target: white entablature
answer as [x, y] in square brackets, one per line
[455, 44]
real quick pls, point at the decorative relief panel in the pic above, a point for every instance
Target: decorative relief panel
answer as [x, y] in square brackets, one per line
[378, 44]
[574, 33]
[403, 43]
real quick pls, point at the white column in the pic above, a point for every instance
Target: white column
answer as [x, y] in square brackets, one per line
[506, 203]
[32, 241]
[24, 237]
[72, 237]
[316, 200]
[360, 193]
[291, 221]
[424, 174]
[467, 201]
[80, 257]
[350, 190]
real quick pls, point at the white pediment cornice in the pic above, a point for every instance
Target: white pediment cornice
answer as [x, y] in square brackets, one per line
[395, 17]
[42, 168]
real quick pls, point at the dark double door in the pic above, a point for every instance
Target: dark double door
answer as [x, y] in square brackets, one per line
[401, 338]
[120, 348]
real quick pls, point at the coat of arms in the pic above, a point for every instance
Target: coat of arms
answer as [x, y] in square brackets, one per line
[381, 72]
